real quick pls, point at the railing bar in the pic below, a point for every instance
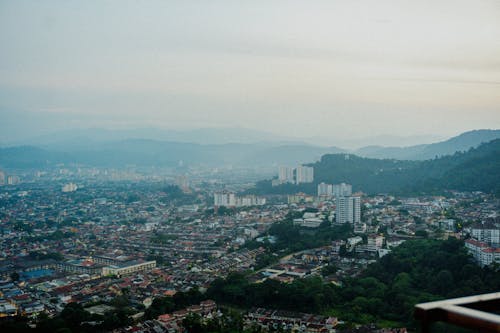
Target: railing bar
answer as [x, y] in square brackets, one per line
[460, 301]
[472, 313]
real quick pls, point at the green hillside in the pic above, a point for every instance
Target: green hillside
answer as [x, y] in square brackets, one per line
[475, 170]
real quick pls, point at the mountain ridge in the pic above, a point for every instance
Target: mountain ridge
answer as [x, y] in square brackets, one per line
[146, 152]
[150, 152]
[461, 142]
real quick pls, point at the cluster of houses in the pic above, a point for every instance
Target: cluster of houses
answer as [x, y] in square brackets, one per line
[484, 244]
[277, 320]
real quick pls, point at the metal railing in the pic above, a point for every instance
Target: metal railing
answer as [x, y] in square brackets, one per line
[480, 313]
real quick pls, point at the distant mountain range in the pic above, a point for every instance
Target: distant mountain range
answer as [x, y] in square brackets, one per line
[142, 152]
[108, 149]
[461, 142]
[215, 136]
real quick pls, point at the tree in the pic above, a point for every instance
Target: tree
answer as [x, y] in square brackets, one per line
[421, 233]
[14, 276]
[74, 314]
[329, 270]
[444, 282]
[160, 305]
[192, 323]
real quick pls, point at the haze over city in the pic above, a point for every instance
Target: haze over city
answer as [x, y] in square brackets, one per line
[227, 166]
[324, 69]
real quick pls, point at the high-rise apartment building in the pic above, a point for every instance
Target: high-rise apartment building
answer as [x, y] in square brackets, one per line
[325, 190]
[342, 190]
[13, 180]
[299, 175]
[285, 175]
[230, 199]
[224, 198]
[304, 174]
[348, 210]
[486, 232]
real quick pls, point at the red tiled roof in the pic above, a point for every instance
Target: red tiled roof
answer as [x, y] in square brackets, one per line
[476, 243]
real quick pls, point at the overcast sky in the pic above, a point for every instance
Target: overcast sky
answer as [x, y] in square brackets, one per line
[296, 68]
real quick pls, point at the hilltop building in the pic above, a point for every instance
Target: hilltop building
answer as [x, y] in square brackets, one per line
[304, 174]
[299, 175]
[286, 175]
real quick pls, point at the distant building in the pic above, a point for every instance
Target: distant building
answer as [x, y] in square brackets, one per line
[486, 232]
[230, 199]
[337, 190]
[224, 199]
[483, 254]
[304, 174]
[360, 228]
[80, 266]
[70, 187]
[300, 198]
[250, 200]
[2, 178]
[299, 175]
[13, 180]
[183, 182]
[310, 222]
[285, 174]
[348, 210]
[352, 241]
[447, 224]
[325, 190]
[128, 267]
[276, 320]
[342, 190]
[485, 242]
[375, 242]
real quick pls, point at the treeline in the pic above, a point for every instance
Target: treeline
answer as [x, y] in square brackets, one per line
[417, 271]
[292, 238]
[306, 295]
[289, 238]
[475, 170]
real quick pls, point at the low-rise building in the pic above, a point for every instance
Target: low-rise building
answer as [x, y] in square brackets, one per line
[128, 267]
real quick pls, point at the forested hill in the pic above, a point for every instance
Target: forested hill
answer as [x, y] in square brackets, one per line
[475, 170]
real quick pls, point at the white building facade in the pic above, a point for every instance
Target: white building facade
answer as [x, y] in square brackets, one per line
[342, 190]
[348, 210]
[304, 174]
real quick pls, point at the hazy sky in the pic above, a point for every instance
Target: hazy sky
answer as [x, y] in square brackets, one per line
[306, 68]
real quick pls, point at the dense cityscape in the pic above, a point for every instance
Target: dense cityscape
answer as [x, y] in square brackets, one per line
[258, 166]
[117, 242]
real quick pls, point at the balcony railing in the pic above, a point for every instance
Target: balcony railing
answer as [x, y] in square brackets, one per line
[480, 313]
